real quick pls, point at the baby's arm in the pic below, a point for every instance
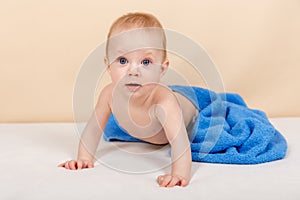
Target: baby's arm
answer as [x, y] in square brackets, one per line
[91, 134]
[170, 116]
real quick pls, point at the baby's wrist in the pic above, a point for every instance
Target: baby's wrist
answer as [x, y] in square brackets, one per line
[83, 158]
[181, 177]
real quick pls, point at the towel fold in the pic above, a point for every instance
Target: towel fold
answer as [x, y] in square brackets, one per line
[225, 130]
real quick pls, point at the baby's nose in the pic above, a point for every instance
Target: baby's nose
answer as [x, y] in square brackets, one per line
[133, 70]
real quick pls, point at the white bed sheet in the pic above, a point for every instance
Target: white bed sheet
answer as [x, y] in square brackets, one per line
[30, 153]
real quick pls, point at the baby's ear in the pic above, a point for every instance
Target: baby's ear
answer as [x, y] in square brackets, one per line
[107, 64]
[164, 67]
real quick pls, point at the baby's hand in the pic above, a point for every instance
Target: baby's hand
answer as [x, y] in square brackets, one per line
[77, 164]
[170, 180]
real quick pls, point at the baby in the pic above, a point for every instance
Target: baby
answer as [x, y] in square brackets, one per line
[136, 60]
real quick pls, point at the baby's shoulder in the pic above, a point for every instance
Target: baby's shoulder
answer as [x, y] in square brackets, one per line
[165, 95]
[106, 90]
[106, 94]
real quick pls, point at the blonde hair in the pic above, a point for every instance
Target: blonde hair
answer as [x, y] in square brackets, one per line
[137, 20]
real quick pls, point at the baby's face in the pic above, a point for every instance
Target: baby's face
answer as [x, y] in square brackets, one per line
[136, 61]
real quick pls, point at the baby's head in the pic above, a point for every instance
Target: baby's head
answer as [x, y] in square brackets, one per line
[135, 31]
[136, 56]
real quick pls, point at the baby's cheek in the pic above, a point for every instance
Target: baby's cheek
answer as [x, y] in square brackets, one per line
[151, 77]
[117, 76]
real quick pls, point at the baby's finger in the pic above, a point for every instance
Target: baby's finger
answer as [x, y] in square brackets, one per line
[72, 165]
[173, 182]
[166, 180]
[83, 164]
[67, 165]
[61, 165]
[90, 165]
[79, 164]
[160, 179]
[183, 183]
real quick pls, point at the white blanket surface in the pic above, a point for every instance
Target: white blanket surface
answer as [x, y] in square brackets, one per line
[30, 154]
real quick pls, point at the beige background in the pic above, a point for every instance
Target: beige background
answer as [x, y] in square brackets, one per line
[254, 44]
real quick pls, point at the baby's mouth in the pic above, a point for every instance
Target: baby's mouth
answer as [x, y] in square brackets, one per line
[133, 86]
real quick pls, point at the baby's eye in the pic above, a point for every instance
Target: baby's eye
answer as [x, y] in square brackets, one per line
[146, 62]
[122, 61]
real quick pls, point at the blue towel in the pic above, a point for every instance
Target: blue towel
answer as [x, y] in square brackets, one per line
[225, 130]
